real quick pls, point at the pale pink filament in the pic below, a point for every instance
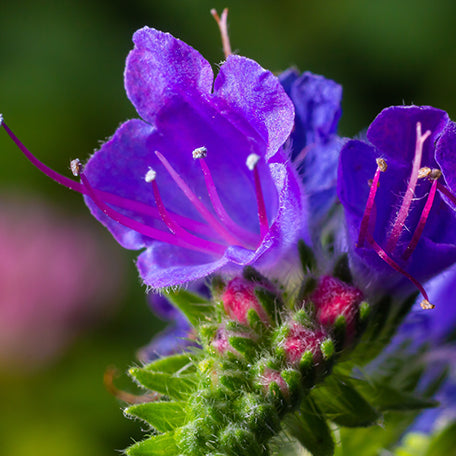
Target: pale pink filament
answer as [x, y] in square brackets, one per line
[409, 193]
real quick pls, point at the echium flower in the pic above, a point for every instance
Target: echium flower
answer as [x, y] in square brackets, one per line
[398, 192]
[201, 183]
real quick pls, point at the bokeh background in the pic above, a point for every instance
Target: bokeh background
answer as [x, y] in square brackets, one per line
[70, 301]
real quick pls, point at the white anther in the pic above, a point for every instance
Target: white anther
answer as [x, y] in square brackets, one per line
[1, 119]
[76, 167]
[199, 152]
[252, 161]
[150, 175]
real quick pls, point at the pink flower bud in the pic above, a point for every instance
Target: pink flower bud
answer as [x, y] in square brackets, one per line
[300, 340]
[333, 298]
[239, 297]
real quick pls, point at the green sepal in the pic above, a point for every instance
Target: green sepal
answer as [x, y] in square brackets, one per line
[183, 363]
[307, 257]
[310, 429]
[255, 322]
[343, 404]
[162, 416]
[270, 302]
[386, 398]
[175, 387]
[245, 346]
[157, 445]
[194, 307]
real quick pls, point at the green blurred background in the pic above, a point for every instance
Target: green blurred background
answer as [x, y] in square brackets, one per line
[61, 91]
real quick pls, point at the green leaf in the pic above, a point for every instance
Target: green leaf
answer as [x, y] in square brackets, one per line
[310, 429]
[157, 445]
[341, 403]
[385, 397]
[173, 386]
[162, 416]
[182, 363]
[443, 443]
[193, 306]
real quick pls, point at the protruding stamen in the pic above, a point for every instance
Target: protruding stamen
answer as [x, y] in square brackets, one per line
[249, 238]
[388, 260]
[65, 181]
[199, 206]
[76, 167]
[251, 162]
[222, 23]
[119, 201]
[410, 192]
[1, 119]
[198, 244]
[424, 215]
[364, 226]
[199, 152]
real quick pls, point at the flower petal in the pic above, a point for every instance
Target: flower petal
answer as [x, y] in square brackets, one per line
[394, 132]
[161, 67]
[256, 94]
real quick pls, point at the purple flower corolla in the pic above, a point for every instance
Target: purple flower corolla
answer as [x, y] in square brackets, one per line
[206, 160]
[315, 145]
[398, 200]
[201, 183]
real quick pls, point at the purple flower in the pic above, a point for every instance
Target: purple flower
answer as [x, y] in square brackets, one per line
[397, 189]
[315, 146]
[202, 183]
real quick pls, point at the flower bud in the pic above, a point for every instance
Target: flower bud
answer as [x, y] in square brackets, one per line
[337, 304]
[239, 297]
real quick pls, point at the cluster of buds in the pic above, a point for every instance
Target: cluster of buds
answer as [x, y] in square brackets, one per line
[267, 350]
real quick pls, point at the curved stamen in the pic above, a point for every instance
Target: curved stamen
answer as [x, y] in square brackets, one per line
[422, 222]
[200, 245]
[199, 206]
[222, 23]
[388, 260]
[116, 200]
[410, 192]
[219, 209]
[364, 226]
[252, 161]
